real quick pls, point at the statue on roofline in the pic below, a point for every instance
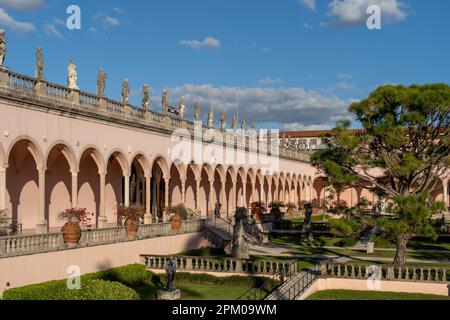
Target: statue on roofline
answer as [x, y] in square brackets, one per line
[39, 64]
[101, 83]
[72, 76]
[2, 46]
[146, 97]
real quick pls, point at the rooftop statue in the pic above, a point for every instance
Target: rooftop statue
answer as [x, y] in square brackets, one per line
[210, 117]
[181, 108]
[165, 101]
[223, 121]
[125, 91]
[101, 83]
[197, 116]
[244, 125]
[2, 46]
[252, 125]
[145, 96]
[234, 123]
[39, 64]
[72, 76]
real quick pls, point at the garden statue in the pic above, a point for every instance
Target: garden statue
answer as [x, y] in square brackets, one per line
[197, 116]
[2, 46]
[39, 64]
[145, 97]
[307, 226]
[243, 125]
[165, 102]
[181, 108]
[217, 210]
[72, 76]
[252, 125]
[125, 91]
[239, 245]
[171, 270]
[101, 83]
[234, 123]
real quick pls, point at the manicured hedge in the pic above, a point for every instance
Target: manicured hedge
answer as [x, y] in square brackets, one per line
[112, 284]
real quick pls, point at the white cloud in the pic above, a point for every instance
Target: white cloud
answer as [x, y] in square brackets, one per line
[92, 29]
[346, 86]
[51, 30]
[354, 11]
[310, 4]
[345, 76]
[208, 42]
[269, 80]
[266, 50]
[8, 21]
[107, 21]
[307, 25]
[21, 4]
[119, 10]
[264, 105]
[59, 22]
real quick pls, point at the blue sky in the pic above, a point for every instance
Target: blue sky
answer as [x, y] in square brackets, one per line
[293, 64]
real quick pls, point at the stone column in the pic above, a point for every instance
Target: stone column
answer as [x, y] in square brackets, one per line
[183, 191]
[283, 193]
[126, 201]
[252, 199]
[197, 191]
[269, 196]
[276, 193]
[166, 192]
[262, 196]
[102, 214]
[41, 226]
[296, 200]
[445, 191]
[244, 194]
[2, 188]
[233, 198]
[223, 198]
[74, 189]
[212, 199]
[147, 216]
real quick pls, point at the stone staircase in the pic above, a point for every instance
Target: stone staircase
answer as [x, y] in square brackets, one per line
[218, 231]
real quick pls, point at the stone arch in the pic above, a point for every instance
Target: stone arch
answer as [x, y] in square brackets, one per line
[177, 172]
[96, 155]
[160, 172]
[143, 161]
[24, 158]
[163, 164]
[61, 163]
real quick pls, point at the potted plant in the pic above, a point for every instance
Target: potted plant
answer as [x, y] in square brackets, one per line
[258, 209]
[4, 225]
[132, 215]
[291, 207]
[71, 229]
[275, 209]
[177, 214]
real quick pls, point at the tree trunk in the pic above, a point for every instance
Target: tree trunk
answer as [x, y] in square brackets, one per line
[400, 255]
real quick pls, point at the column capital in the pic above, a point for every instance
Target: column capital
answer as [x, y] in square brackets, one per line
[102, 173]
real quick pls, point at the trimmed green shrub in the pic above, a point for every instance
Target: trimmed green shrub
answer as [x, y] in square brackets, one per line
[132, 276]
[57, 290]
[347, 242]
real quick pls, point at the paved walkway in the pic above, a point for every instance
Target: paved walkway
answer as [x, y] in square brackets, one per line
[280, 250]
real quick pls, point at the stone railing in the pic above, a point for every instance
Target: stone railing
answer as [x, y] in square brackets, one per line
[218, 264]
[32, 244]
[59, 97]
[385, 272]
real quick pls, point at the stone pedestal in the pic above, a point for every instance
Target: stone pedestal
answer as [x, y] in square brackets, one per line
[4, 73]
[370, 247]
[41, 88]
[168, 295]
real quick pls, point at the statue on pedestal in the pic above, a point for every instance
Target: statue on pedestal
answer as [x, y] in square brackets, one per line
[210, 117]
[252, 125]
[145, 97]
[171, 270]
[165, 102]
[101, 83]
[197, 116]
[181, 108]
[39, 64]
[125, 91]
[2, 46]
[239, 246]
[72, 76]
[234, 123]
[244, 126]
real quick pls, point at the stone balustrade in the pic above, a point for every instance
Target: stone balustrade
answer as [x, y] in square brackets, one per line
[386, 272]
[42, 243]
[61, 97]
[221, 265]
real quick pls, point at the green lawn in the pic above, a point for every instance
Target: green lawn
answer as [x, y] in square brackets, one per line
[196, 292]
[371, 295]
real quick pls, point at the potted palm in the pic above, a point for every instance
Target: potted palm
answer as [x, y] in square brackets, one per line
[132, 215]
[177, 214]
[72, 229]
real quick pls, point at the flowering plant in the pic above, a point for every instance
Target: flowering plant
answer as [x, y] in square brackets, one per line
[133, 212]
[76, 215]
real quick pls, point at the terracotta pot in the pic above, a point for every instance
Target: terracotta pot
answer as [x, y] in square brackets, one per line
[131, 227]
[176, 222]
[72, 233]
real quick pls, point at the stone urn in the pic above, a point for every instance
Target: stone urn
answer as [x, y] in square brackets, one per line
[71, 233]
[131, 227]
[175, 222]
